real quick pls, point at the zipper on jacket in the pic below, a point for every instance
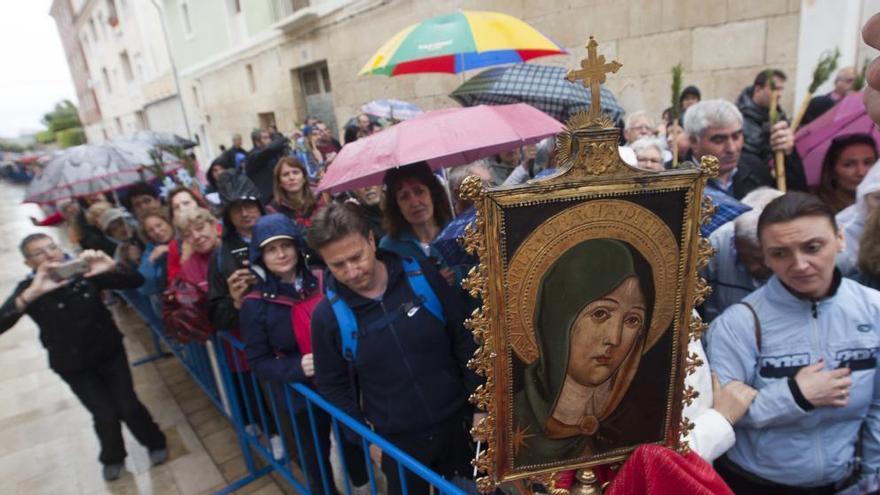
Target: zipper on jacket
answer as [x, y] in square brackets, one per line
[817, 345]
[409, 369]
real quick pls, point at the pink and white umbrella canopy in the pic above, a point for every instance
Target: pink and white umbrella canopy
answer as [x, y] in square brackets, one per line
[848, 116]
[443, 138]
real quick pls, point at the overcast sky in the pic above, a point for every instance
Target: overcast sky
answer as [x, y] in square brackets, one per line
[34, 75]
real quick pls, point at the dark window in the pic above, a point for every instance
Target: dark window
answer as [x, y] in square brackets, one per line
[311, 86]
[325, 74]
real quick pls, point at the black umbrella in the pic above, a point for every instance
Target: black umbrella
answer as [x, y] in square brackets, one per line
[541, 86]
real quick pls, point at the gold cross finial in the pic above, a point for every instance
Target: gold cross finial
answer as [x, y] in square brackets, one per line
[593, 70]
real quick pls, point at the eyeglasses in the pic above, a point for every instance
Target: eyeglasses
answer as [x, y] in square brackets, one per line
[46, 251]
[649, 160]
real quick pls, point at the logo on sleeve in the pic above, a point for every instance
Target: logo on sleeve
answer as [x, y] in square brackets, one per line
[782, 366]
[857, 359]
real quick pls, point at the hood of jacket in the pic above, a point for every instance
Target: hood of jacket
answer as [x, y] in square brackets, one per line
[273, 226]
[750, 109]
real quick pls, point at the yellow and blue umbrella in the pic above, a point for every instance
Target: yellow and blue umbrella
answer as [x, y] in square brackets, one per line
[460, 41]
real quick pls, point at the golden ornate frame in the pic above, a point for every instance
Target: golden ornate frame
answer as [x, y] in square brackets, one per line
[592, 172]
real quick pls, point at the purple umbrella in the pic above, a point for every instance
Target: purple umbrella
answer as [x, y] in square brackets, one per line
[848, 116]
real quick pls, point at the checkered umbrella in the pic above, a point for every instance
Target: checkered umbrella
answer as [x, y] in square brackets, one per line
[727, 209]
[541, 86]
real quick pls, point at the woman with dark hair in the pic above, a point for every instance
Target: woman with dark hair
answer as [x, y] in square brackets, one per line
[416, 210]
[292, 194]
[846, 163]
[351, 134]
[217, 167]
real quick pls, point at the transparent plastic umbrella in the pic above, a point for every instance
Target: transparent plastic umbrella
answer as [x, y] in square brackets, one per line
[92, 168]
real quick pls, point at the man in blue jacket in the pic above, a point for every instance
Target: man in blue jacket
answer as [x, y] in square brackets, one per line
[407, 362]
[807, 341]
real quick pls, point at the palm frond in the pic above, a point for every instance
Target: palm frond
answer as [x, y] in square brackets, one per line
[675, 108]
[824, 68]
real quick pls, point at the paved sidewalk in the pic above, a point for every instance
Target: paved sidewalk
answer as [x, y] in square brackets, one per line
[47, 444]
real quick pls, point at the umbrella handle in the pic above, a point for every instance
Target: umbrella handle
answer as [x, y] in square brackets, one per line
[448, 192]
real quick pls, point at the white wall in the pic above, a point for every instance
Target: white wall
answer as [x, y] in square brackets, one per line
[166, 115]
[817, 35]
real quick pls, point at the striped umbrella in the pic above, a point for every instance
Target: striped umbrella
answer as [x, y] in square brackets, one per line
[541, 86]
[460, 41]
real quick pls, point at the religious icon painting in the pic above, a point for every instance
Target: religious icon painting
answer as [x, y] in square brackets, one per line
[588, 282]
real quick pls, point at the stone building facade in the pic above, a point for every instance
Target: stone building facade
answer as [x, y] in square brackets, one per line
[246, 64]
[89, 111]
[126, 71]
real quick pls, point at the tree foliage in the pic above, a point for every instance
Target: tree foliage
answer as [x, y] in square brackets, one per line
[63, 126]
[70, 137]
[10, 146]
[63, 116]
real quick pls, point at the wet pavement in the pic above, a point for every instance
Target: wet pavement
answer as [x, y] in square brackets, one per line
[47, 444]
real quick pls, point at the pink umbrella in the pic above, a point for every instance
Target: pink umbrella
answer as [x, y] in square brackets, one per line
[848, 116]
[443, 138]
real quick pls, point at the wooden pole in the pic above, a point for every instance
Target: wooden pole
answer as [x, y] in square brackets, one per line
[779, 157]
[801, 111]
[676, 129]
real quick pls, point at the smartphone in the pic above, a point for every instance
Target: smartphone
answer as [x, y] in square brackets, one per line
[69, 269]
[240, 256]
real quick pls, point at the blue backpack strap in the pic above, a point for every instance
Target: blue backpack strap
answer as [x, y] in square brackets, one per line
[348, 328]
[422, 288]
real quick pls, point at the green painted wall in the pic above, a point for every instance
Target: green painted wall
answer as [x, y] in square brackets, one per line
[259, 15]
[210, 33]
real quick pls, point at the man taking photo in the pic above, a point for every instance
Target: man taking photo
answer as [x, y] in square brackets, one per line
[62, 296]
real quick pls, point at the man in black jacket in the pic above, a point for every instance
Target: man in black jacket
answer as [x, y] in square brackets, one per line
[409, 368]
[229, 279]
[761, 142]
[843, 85]
[260, 162]
[85, 347]
[232, 157]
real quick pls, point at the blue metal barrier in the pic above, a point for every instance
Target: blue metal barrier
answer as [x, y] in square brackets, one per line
[255, 412]
[260, 421]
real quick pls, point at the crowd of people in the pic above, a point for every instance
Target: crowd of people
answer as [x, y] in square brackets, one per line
[351, 295]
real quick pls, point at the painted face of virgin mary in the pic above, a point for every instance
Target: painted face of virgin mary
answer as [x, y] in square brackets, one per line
[604, 332]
